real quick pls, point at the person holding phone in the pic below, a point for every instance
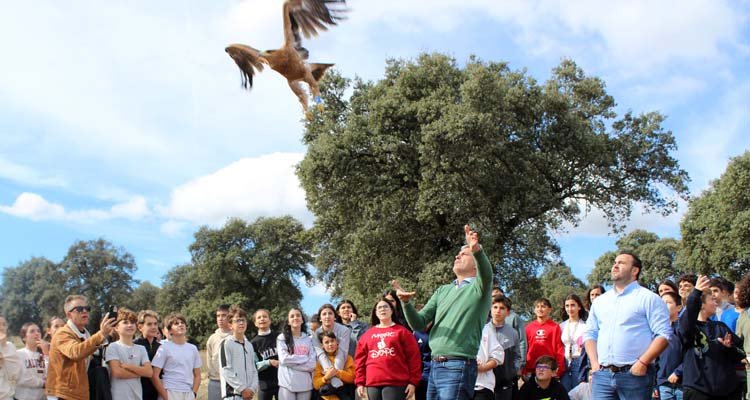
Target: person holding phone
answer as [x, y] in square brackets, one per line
[71, 347]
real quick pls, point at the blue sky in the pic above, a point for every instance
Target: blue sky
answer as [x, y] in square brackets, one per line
[127, 120]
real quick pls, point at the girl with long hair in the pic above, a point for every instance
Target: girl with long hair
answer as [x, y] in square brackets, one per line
[591, 294]
[573, 326]
[399, 316]
[296, 358]
[34, 372]
[388, 363]
[53, 324]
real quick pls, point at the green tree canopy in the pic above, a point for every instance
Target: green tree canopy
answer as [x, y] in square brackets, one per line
[657, 255]
[101, 272]
[143, 297]
[256, 265]
[557, 282]
[31, 292]
[35, 290]
[394, 171]
[716, 229]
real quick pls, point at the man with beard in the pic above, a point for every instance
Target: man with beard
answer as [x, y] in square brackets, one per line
[627, 328]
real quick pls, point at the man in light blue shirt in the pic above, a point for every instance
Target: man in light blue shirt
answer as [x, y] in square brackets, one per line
[627, 329]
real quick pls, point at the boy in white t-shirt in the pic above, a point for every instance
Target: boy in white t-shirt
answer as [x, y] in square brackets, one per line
[179, 360]
[127, 362]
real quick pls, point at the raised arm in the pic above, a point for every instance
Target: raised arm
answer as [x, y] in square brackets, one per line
[484, 268]
[76, 350]
[687, 325]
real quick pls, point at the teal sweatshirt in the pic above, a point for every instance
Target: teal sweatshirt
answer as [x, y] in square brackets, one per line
[458, 314]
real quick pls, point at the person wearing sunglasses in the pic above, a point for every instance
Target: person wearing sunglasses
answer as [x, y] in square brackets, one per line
[71, 347]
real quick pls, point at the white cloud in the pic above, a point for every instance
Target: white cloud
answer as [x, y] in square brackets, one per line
[594, 224]
[173, 228]
[318, 289]
[36, 208]
[157, 263]
[248, 188]
[28, 176]
[132, 100]
[715, 134]
[631, 36]
[133, 209]
[666, 92]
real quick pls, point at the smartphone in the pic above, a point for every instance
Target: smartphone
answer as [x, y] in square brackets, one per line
[112, 312]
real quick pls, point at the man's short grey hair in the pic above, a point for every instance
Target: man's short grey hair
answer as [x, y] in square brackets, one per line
[72, 298]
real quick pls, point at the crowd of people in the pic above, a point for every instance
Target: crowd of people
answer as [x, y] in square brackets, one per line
[688, 340]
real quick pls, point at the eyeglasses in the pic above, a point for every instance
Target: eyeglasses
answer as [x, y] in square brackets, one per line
[239, 320]
[80, 309]
[543, 367]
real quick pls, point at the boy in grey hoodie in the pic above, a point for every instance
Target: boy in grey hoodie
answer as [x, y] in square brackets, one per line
[239, 377]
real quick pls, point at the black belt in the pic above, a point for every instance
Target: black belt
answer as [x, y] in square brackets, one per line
[449, 358]
[615, 369]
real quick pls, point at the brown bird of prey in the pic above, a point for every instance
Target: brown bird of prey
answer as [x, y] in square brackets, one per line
[307, 16]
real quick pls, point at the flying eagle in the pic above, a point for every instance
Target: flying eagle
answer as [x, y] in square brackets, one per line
[307, 16]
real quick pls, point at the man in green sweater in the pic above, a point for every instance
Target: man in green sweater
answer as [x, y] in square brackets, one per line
[458, 312]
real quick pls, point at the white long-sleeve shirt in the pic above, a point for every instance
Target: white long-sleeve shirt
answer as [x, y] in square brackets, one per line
[237, 367]
[489, 348]
[30, 385]
[10, 370]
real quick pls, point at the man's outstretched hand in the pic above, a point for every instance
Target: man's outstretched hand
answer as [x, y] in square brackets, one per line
[402, 294]
[472, 239]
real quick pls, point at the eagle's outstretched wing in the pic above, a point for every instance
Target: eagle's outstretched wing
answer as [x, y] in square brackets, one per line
[312, 16]
[248, 59]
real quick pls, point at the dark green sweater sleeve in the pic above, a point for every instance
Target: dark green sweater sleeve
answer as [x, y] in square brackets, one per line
[458, 314]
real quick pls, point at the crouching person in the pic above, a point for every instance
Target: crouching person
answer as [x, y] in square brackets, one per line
[322, 378]
[239, 377]
[543, 385]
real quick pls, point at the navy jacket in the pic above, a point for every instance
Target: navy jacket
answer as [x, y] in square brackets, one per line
[670, 360]
[707, 365]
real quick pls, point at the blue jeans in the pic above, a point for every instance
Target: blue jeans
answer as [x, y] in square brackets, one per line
[670, 392]
[452, 380]
[569, 379]
[608, 385]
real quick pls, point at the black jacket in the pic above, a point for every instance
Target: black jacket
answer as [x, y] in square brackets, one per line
[707, 365]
